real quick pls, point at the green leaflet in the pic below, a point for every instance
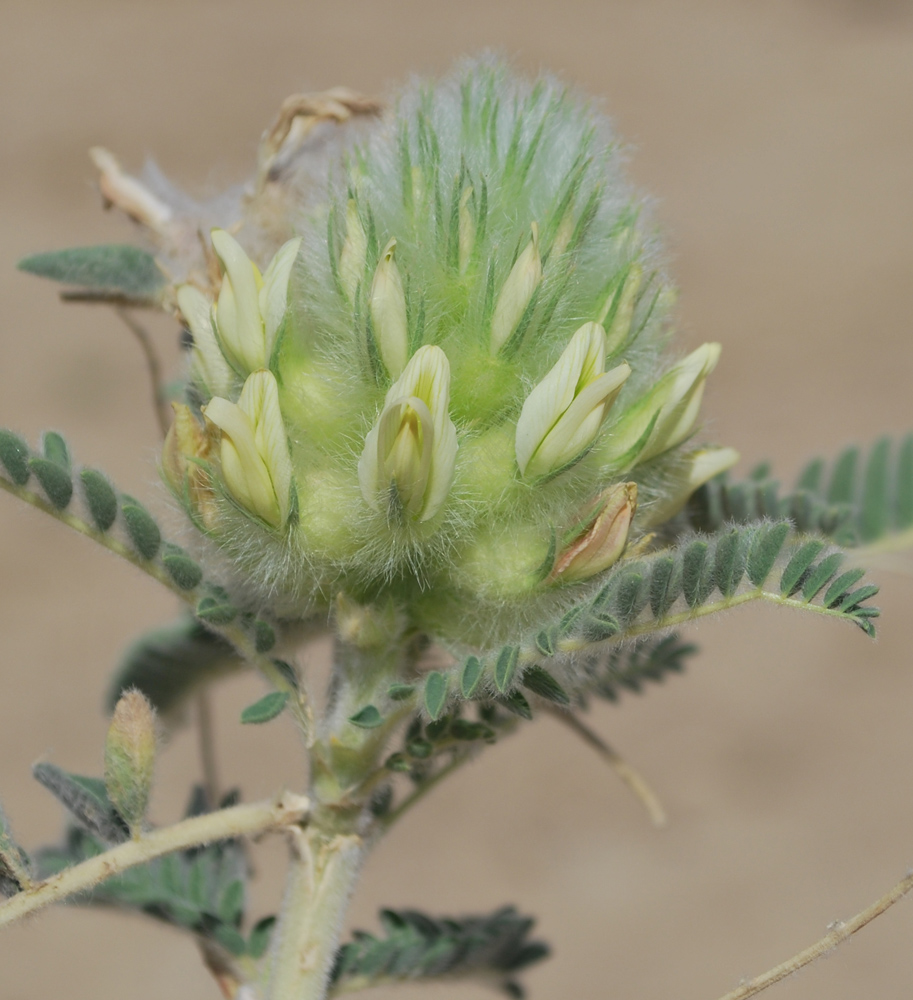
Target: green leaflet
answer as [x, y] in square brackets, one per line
[665, 585]
[100, 498]
[516, 703]
[435, 693]
[765, 547]
[798, 566]
[506, 666]
[14, 455]
[115, 269]
[542, 683]
[266, 709]
[260, 937]
[367, 718]
[86, 799]
[470, 675]
[215, 606]
[400, 692]
[264, 636]
[141, 527]
[816, 579]
[417, 947]
[55, 480]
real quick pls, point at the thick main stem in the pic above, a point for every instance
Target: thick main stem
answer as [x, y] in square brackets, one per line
[321, 879]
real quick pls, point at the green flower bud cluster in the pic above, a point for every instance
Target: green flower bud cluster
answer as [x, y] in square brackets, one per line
[447, 393]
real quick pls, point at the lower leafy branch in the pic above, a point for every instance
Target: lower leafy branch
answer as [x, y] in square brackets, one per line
[285, 812]
[416, 947]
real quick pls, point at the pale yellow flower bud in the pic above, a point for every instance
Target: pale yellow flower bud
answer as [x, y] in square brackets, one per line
[409, 456]
[251, 306]
[354, 251]
[388, 312]
[563, 414]
[603, 538]
[273, 298]
[666, 415]
[256, 467]
[697, 467]
[210, 367]
[517, 292]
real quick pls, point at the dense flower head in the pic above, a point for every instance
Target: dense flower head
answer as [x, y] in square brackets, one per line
[448, 391]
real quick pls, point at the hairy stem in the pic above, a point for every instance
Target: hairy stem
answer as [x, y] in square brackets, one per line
[841, 932]
[321, 879]
[238, 821]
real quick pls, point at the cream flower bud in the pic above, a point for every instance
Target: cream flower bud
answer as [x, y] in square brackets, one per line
[251, 306]
[210, 367]
[665, 416]
[388, 312]
[354, 251]
[603, 538]
[517, 292]
[410, 453]
[273, 298]
[562, 415]
[697, 467]
[256, 467]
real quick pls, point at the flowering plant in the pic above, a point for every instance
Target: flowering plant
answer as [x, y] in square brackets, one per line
[430, 410]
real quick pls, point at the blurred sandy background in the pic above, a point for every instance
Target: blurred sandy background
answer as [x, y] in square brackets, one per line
[778, 141]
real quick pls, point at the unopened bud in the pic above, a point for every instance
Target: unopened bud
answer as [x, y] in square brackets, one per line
[256, 467]
[210, 366]
[602, 539]
[388, 312]
[251, 306]
[517, 292]
[130, 758]
[273, 298]
[410, 453]
[354, 251]
[666, 415]
[563, 414]
[237, 311]
[695, 469]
